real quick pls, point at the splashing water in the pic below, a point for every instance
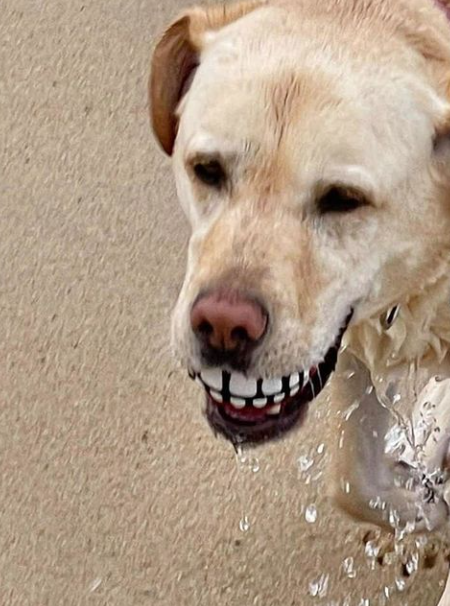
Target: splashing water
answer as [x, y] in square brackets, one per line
[305, 463]
[401, 437]
[372, 551]
[378, 503]
[394, 519]
[311, 514]
[396, 440]
[350, 410]
[244, 524]
[95, 585]
[245, 463]
[255, 465]
[349, 374]
[409, 441]
[412, 565]
[319, 587]
[348, 566]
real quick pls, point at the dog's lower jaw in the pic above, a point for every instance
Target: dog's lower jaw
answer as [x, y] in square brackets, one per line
[252, 436]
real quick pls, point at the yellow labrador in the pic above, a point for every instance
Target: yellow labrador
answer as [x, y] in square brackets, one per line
[311, 150]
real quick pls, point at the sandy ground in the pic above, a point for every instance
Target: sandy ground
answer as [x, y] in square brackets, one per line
[113, 490]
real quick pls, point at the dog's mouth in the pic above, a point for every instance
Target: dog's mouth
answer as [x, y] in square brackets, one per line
[248, 410]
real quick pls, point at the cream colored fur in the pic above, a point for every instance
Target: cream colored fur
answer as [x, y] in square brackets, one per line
[292, 96]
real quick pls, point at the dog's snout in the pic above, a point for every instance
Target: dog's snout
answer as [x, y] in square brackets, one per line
[228, 322]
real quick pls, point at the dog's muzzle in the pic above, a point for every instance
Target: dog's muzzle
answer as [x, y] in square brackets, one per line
[249, 410]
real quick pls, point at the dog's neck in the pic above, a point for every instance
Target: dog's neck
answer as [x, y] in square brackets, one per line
[420, 333]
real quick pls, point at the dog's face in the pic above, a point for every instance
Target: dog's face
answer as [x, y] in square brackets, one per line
[312, 177]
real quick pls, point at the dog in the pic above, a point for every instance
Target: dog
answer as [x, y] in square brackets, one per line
[311, 151]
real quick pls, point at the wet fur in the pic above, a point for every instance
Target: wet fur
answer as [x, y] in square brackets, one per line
[293, 119]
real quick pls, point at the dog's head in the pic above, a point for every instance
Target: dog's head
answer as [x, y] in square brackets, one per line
[310, 157]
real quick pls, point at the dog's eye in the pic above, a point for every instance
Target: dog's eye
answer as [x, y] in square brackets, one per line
[340, 200]
[210, 173]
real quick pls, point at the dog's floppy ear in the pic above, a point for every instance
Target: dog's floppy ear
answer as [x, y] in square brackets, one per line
[176, 57]
[442, 132]
[445, 126]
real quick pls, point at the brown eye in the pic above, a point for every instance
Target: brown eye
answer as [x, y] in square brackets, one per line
[340, 200]
[210, 173]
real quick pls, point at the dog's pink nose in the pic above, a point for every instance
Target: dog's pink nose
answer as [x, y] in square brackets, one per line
[228, 321]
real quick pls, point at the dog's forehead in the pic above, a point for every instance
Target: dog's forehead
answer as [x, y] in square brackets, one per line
[249, 101]
[252, 95]
[291, 119]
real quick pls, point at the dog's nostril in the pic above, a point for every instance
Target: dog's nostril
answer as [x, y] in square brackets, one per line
[240, 334]
[205, 329]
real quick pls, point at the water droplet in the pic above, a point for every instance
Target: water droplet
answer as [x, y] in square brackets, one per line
[311, 514]
[244, 524]
[372, 550]
[95, 585]
[349, 567]
[350, 410]
[412, 565]
[377, 503]
[394, 518]
[319, 588]
[421, 541]
[400, 584]
[246, 461]
[321, 448]
[410, 527]
[254, 465]
[305, 463]
[240, 453]
[396, 440]
[364, 602]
